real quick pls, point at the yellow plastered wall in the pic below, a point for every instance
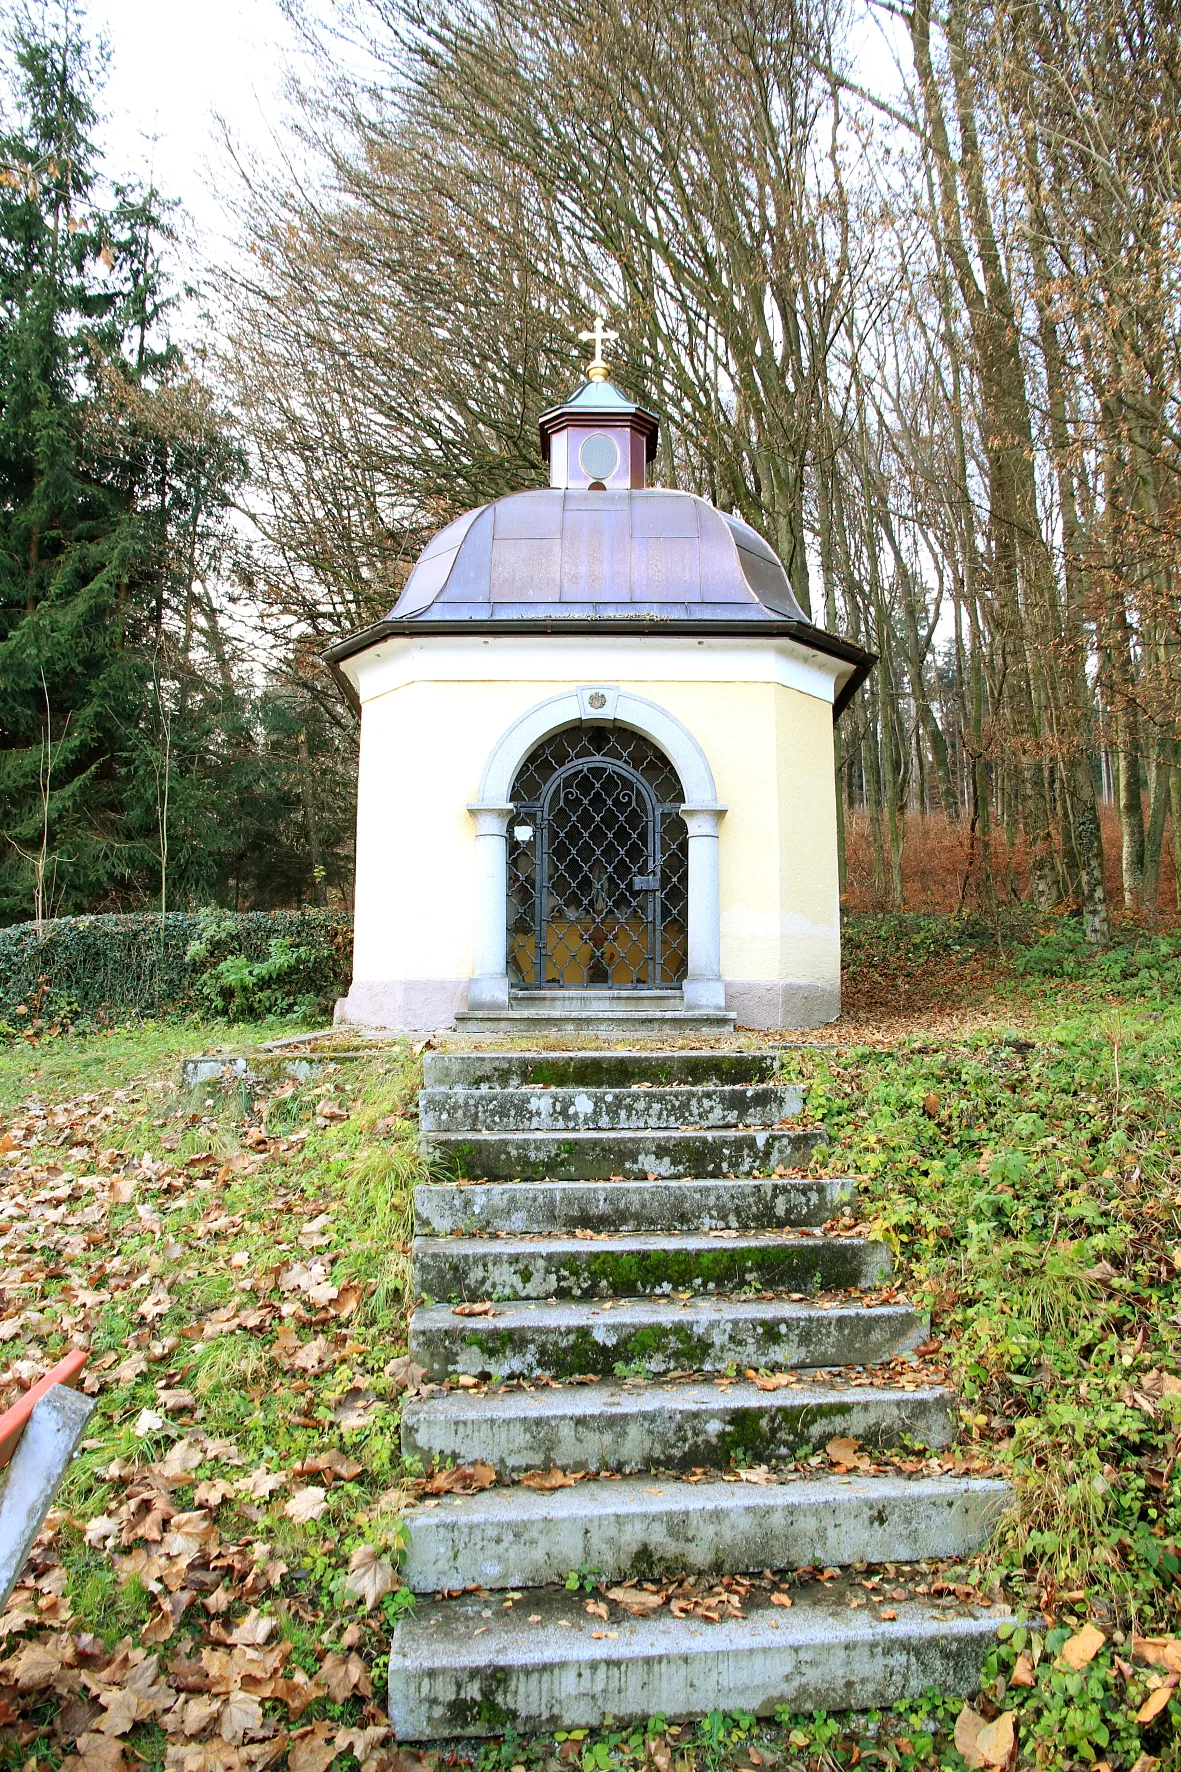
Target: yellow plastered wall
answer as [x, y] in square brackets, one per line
[423, 749]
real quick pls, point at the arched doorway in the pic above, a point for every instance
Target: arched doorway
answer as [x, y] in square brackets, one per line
[598, 865]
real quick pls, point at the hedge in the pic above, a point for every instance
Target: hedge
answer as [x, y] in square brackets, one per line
[107, 969]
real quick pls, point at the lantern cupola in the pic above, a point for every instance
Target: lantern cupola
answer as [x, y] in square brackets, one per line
[598, 440]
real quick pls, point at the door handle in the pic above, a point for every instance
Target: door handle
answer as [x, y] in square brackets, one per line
[646, 883]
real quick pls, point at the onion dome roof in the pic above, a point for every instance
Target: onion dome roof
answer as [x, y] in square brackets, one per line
[560, 553]
[599, 551]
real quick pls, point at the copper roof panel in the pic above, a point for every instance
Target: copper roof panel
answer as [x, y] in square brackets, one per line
[666, 569]
[450, 537]
[769, 582]
[429, 578]
[596, 552]
[582, 499]
[524, 571]
[468, 578]
[531, 516]
[722, 577]
[664, 514]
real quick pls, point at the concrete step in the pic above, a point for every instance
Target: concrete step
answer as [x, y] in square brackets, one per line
[518, 1537]
[596, 999]
[563, 1339]
[596, 1070]
[565, 1022]
[589, 1108]
[637, 1266]
[469, 1667]
[592, 1156]
[530, 1207]
[697, 1425]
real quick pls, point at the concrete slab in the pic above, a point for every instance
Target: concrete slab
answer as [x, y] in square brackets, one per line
[31, 1480]
[599, 1070]
[589, 1107]
[469, 1668]
[564, 1021]
[655, 1336]
[627, 1206]
[647, 1264]
[699, 1424]
[640, 1527]
[594, 1156]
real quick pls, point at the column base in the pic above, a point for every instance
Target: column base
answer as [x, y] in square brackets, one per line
[704, 993]
[490, 991]
[783, 1002]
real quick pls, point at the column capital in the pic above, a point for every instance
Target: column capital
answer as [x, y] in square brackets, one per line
[702, 819]
[491, 817]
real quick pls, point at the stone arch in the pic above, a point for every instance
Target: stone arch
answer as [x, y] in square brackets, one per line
[594, 704]
[617, 708]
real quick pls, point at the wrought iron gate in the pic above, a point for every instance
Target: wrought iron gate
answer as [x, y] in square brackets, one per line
[598, 864]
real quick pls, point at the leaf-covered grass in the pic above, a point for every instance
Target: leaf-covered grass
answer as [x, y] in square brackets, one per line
[238, 1263]
[236, 1258]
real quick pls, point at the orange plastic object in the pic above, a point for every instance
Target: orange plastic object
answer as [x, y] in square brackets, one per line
[13, 1421]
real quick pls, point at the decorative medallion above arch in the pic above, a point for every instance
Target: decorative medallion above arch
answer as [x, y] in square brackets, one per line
[584, 706]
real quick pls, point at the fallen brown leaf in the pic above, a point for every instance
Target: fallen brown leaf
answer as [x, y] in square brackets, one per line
[370, 1576]
[241, 1715]
[312, 1750]
[254, 1629]
[96, 1753]
[1081, 1649]
[551, 1479]
[355, 1409]
[306, 1504]
[482, 1309]
[342, 1675]
[261, 1483]
[1155, 1703]
[1158, 1652]
[637, 1601]
[843, 1451]
[333, 1463]
[461, 1479]
[982, 1743]
[406, 1375]
[1022, 1674]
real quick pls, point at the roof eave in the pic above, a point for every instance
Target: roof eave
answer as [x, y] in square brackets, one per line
[804, 633]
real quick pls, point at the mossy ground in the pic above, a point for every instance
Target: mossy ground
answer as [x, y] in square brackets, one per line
[1025, 1170]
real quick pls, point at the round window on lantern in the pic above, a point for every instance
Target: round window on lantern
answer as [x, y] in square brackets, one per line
[599, 456]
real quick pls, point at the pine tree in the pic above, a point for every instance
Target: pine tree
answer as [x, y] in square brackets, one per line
[115, 476]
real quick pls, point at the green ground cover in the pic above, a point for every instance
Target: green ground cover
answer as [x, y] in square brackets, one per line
[216, 1587]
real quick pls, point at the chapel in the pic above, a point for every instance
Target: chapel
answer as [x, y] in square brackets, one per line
[596, 778]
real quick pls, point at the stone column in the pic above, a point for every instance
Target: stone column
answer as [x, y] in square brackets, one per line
[703, 987]
[489, 984]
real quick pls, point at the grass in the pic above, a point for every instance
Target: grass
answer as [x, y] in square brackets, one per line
[1024, 1168]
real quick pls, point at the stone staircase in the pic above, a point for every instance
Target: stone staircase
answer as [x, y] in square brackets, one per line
[632, 1014]
[650, 1266]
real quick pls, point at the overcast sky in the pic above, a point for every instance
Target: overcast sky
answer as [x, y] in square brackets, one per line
[176, 65]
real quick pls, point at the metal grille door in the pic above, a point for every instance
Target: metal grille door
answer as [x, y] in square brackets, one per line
[598, 865]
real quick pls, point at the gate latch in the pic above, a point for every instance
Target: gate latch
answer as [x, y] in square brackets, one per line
[646, 883]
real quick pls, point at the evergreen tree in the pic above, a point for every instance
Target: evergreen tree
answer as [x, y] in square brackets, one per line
[115, 477]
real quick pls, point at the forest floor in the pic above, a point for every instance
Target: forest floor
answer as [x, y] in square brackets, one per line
[215, 1588]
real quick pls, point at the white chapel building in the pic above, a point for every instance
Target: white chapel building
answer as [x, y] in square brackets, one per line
[596, 773]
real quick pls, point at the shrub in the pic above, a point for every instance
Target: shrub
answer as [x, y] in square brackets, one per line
[243, 964]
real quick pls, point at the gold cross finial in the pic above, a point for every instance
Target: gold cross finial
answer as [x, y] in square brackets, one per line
[598, 336]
